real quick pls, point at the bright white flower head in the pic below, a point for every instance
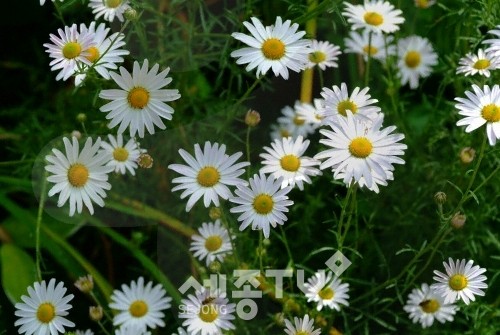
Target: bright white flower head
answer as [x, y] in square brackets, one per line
[140, 305]
[78, 176]
[480, 63]
[140, 103]
[212, 243]
[291, 121]
[327, 290]
[278, 47]
[84, 332]
[494, 43]
[337, 102]
[311, 114]
[416, 57]
[303, 326]
[285, 159]
[109, 9]
[263, 204]
[122, 157]
[43, 309]
[42, 2]
[323, 54]
[359, 43]
[376, 180]
[104, 53]
[375, 15]
[479, 108]
[424, 306]
[70, 49]
[208, 174]
[207, 312]
[424, 3]
[462, 281]
[131, 330]
[360, 151]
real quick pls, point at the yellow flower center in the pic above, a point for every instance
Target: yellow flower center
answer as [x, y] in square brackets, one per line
[208, 313]
[317, 57]
[346, 105]
[120, 154]
[138, 97]
[46, 312]
[273, 48]
[458, 282]
[93, 54]
[373, 18]
[481, 64]
[422, 3]
[302, 332]
[290, 163]
[138, 308]
[370, 50]
[429, 306]
[298, 121]
[78, 174]
[285, 133]
[412, 59]
[71, 50]
[208, 176]
[491, 113]
[360, 147]
[113, 3]
[326, 293]
[213, 243]
[263, 203]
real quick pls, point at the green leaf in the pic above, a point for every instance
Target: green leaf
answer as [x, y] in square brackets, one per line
[18, 271]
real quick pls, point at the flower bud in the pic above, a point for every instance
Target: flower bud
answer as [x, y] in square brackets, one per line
[145, 161]
[81, 117]
[458, 220]
[77, 134]
[252, 118]
[467, 155]
[334, 331]
[85, 284]
[215, 213]
[215, 267]
[279, 319]
[95, 313]
[440, 198]
[131, 14]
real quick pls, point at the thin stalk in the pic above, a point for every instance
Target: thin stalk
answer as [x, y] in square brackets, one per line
[38, 225]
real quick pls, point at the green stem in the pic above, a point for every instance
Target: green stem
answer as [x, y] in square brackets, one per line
[343, 213]
[247, 145]
[103, 328]
[96, 300]
[38, 225]
[261, 248]
[287, 247]
[352, 209]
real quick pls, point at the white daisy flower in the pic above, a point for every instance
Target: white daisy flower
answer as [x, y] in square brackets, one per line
[377, 180]
[69, 49]
[294, 123]
[78, 176]
[311, 114]
[109, 9]
[375, 15]
[207, 312]
[480, 63]
[140, 101]
[131, 330]
[212, 243]
[280, 130]
[323, 54]
[416, 57]
[480, 107]
[337, 102]
[424, 3]
[285, 159]
[42, 2]
[304, 326]
[278, 47]
[84, 332]
[357, 151]
[461, 281]
[140, 306]
[104, 53]
[327, 290]
[359, 43]
[43, 309]
[122, 157]
[262, 204]
[424, 306]
[208, 174]
[494, 43]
